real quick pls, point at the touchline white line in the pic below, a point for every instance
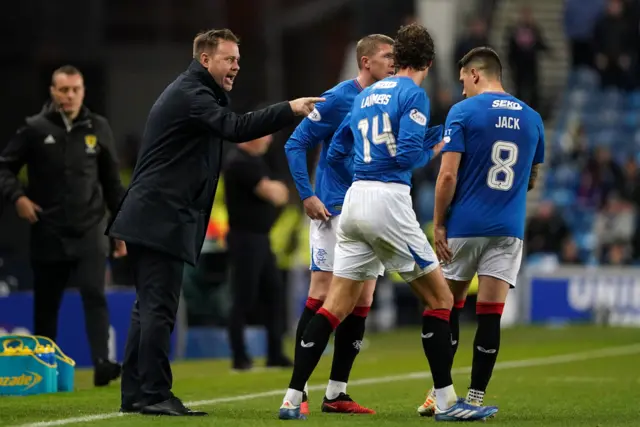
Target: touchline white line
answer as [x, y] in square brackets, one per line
[512, 364]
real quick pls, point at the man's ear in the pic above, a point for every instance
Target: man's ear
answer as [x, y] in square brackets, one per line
[475, 74]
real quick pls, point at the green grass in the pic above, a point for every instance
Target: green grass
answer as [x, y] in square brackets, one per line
[590, 392]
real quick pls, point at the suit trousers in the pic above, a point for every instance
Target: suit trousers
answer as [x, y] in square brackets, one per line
[146, 371]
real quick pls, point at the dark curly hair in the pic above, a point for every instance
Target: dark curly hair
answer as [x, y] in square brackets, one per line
[413, 47]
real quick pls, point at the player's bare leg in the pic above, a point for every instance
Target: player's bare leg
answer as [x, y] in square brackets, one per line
[341, 299]
[459, 289]
[348, 334]
[492, 294]
[347, 342]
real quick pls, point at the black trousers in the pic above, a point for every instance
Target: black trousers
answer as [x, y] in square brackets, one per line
[254, 274]
[146, 371]
[87, 274]
[581, 53]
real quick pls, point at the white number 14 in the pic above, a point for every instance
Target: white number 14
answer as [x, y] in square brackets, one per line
[386, 137]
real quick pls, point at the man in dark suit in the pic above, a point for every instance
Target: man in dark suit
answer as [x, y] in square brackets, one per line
[164, 214]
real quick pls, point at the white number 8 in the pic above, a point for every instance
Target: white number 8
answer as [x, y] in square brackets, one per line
[502, 165]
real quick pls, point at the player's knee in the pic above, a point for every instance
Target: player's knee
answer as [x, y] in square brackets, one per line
[366, 297]
[440, 300]
[319, 287]
[342, 297]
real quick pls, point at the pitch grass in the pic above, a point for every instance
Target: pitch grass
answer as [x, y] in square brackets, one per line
[594, 392]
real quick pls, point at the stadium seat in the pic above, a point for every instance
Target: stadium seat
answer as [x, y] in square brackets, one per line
[585, 78]
[563, 197]
[633, 100]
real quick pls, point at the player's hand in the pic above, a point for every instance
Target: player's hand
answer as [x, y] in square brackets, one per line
[27, 209]
[437, 148]
[442, 247]
[315, 209]
[304, 106]
[120, 249]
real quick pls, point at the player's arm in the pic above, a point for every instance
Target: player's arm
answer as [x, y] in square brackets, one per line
[313, 129]
[538, 158]
[448, 175]
[433, 141]
[410, 151]
[256, 179]
[340, 154]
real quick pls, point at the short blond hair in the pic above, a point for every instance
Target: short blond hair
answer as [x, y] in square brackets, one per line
[207, 41]
[369, 45]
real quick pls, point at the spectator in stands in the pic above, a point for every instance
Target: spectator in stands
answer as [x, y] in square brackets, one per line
[526, 41]
[475, 36]
[580, 17]
[575, 148]
[599, 177]
[614, 45]
[546, 230]
[618, 254]
[569, 254]
[632, 182]
[614, 225]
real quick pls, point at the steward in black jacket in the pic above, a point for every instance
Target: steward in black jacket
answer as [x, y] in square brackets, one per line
[72, 175]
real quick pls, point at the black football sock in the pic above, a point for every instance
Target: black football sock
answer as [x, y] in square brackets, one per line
[312, 344]
[436, 342]
[454, 322]
[347, 344]
[485, 347]
[310, 308]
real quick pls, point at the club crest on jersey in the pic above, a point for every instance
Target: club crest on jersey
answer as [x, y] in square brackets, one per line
[90, 142]
[315, 115]
[418, 117]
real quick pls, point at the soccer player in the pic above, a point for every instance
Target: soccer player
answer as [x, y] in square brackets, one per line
[375, 62]
[494, 144]
[378, 226]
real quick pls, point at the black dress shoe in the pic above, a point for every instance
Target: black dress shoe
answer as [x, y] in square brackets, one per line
[172, 406]
[242, 365]
[281, 361]
[133, 408]
[106, 371]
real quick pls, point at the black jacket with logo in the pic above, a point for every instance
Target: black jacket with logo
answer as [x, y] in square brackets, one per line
[72, 174]
[169, 201]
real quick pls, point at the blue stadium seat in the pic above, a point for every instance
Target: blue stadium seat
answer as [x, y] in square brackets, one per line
[578, 99]
[631, 119]
[584, 78]
[633, 100]
[565, 176]
[585, 241]
[562, 197]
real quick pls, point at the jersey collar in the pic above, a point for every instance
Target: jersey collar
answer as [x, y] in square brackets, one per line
[357, 83]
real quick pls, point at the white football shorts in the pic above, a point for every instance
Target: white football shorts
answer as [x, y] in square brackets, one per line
[322, 242]
[378, 230]
[498, 257]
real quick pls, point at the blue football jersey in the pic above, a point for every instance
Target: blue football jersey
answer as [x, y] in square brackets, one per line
[389, 137]
[319, 127]
[500, 138]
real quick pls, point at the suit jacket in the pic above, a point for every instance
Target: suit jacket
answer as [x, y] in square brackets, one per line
[169, 201]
